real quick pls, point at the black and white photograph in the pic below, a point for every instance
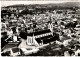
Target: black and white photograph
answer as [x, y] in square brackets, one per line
[40, 28]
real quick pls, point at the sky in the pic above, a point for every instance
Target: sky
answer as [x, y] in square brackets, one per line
[7, 3]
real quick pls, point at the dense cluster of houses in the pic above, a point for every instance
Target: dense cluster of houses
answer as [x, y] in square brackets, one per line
[60, 26]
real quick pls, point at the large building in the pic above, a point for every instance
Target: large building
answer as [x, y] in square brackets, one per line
[36, 38]
[41, 37]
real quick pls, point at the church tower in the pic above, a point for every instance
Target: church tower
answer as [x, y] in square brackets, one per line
[50, 25]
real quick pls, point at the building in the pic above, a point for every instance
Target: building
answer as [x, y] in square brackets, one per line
[39, 37]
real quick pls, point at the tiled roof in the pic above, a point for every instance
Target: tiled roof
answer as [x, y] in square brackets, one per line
[39, 32]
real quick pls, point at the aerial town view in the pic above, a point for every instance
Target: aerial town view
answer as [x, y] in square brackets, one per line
[49, 29]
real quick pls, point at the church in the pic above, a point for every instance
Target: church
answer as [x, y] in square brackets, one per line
[41, 37]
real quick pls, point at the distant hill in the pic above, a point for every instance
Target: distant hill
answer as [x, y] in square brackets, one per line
[41, 8]
[66, 4]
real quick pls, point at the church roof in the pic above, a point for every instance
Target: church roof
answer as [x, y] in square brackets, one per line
[39, 32]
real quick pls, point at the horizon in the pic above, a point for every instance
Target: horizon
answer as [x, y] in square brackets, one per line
[9, 3]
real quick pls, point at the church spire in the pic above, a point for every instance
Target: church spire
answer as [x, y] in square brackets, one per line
[50, 25]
